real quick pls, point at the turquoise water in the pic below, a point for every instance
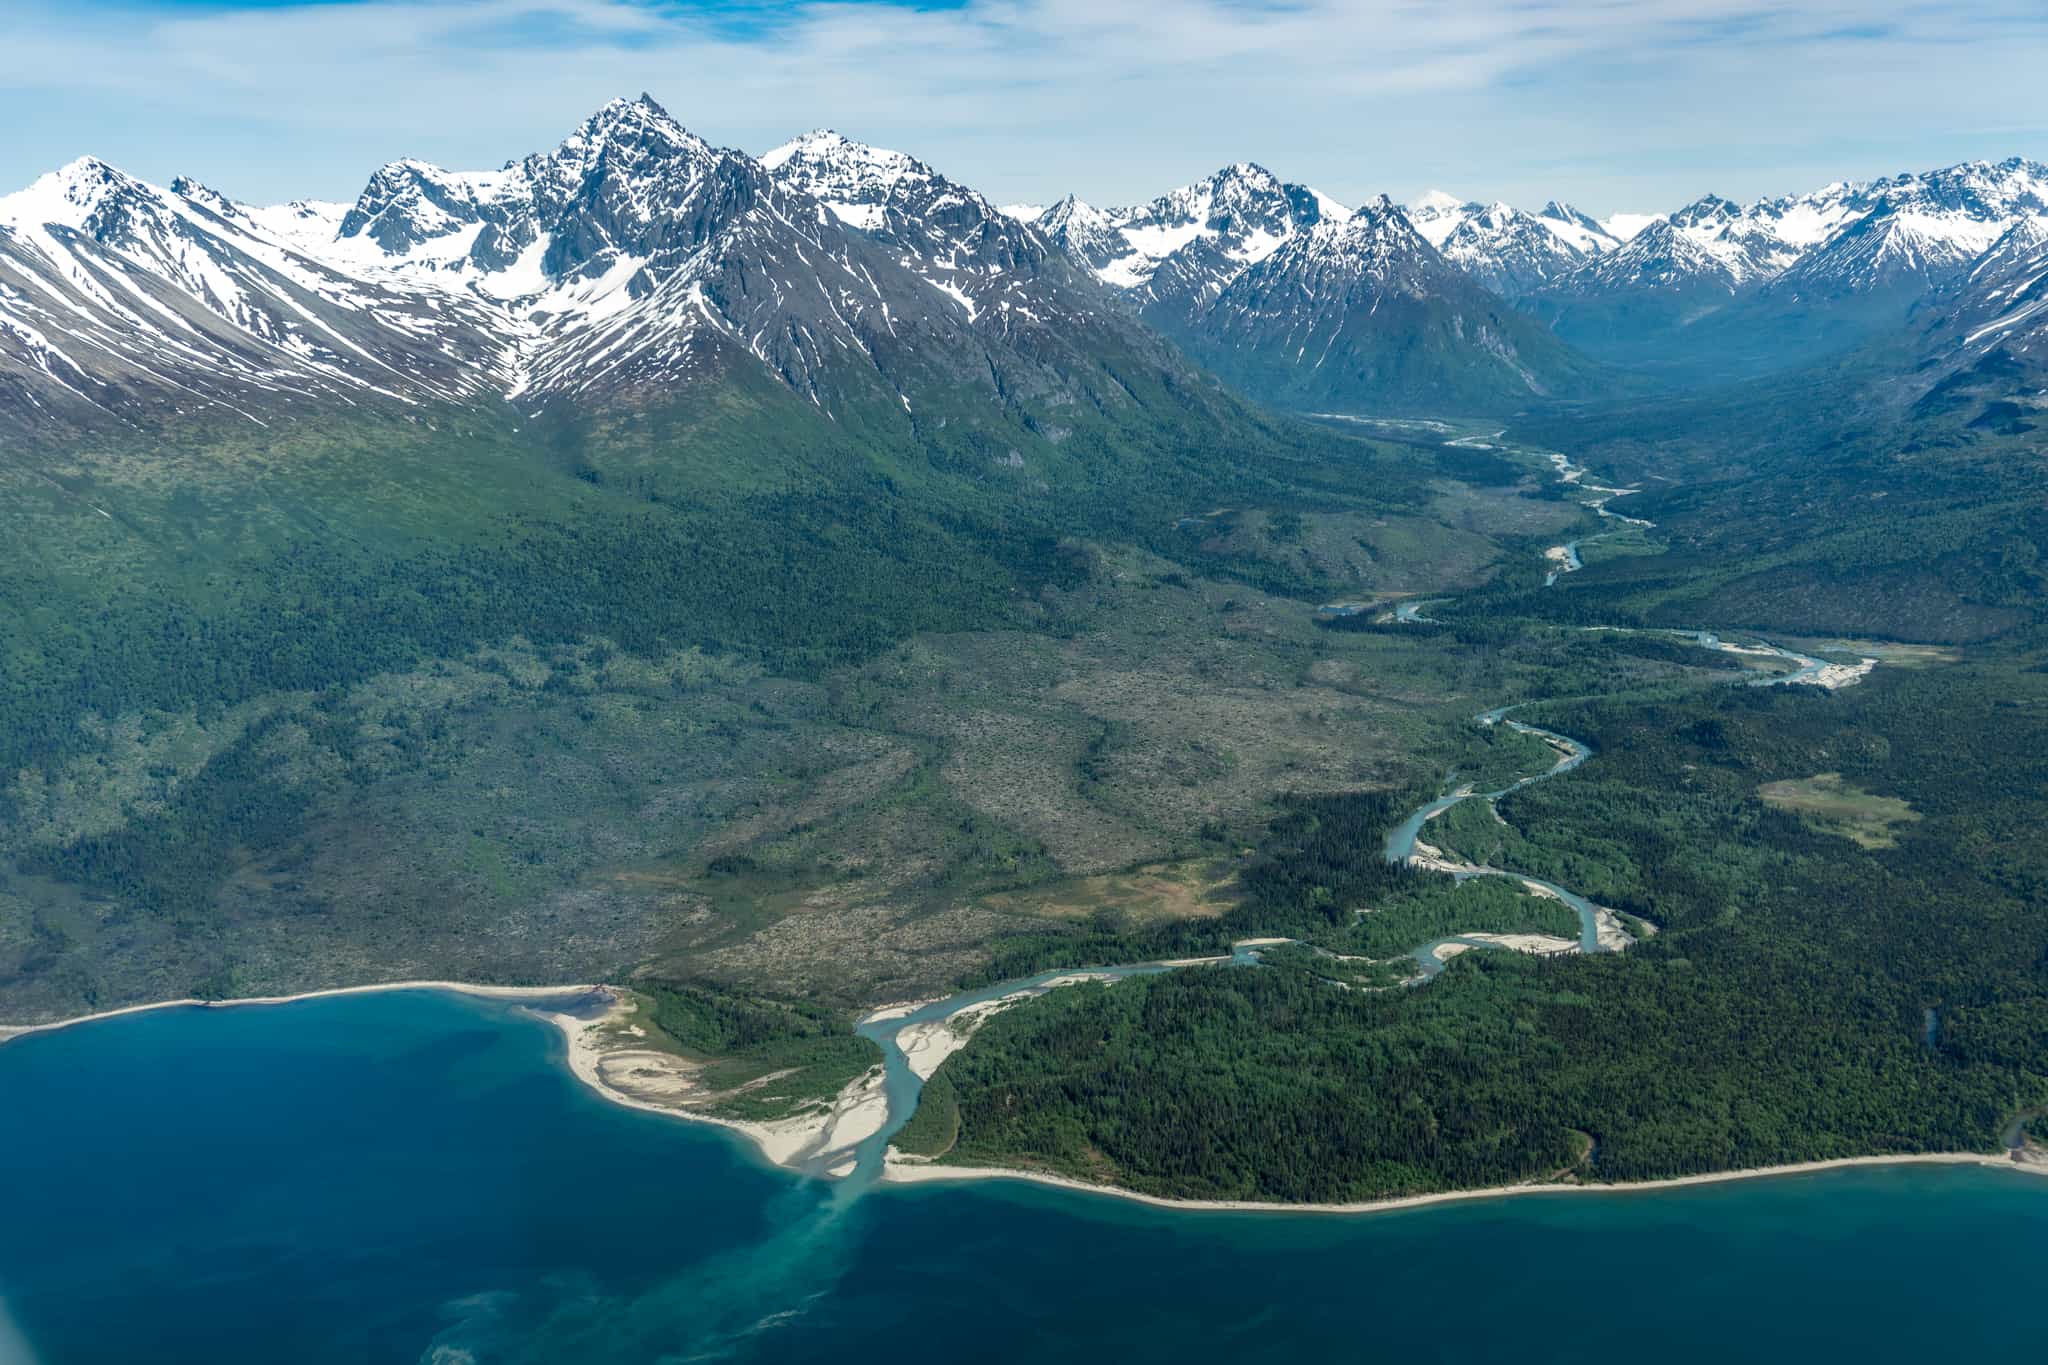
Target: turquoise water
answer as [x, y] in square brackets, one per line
[415, 1177]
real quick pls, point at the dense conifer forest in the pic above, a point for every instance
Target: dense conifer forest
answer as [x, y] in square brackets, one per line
[1802, 998]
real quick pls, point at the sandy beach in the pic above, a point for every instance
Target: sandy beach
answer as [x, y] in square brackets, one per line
[925, 1046]
[899, 1172]
[603, 1055]
[1536, 945]
[1832, 676]
[881, 1014]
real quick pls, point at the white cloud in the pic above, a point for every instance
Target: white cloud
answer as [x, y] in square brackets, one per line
[1622, 103]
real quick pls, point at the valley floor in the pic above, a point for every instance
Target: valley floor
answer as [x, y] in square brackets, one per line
[1167, 767]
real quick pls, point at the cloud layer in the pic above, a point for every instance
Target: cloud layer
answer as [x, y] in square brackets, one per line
[1617, 103]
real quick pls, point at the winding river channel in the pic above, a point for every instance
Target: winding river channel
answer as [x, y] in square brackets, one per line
[1600, 929]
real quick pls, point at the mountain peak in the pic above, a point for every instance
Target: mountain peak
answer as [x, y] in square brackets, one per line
[861, 183]
[194, 192]
[70, 196]
[638, 127]
[1705, 211]
[819, 142]
[1436, 201]
[830, 154]
[1245, 170]
[1379, 228]
[1558, 211]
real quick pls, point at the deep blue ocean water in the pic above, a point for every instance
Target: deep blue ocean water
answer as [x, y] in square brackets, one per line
[414, 1176]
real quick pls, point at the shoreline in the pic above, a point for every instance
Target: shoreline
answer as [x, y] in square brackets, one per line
[583, 1055]
[772, 1142]
[786, 1144]
[896, 1171]
[10, 1032]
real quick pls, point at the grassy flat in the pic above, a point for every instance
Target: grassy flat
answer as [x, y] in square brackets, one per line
[1833, 806]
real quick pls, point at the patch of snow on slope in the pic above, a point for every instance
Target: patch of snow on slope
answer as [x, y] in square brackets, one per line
[1624, 226]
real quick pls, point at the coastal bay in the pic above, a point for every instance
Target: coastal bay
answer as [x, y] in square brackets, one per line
[416, 1175]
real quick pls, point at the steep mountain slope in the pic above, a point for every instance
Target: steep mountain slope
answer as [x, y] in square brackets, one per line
[1918, 233]
[1366, 315]
[630, 270]
[1175, 254]
[1242, 269]
[1007, 275]
[906, 203]
[1509, 251]
[636, 257]
[121, 301]
[1720, 290]
[1983, 340]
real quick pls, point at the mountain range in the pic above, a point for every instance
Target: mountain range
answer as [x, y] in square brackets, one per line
[632, 266]
[635, 265]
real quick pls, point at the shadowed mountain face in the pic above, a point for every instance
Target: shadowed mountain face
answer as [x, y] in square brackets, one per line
[1243, 269]
[1365, 314]
[1983, 340]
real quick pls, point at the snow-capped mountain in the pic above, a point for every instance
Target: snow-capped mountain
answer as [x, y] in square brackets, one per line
[1364, 314]
[1847, 236]
[2004, 296]
[953, 238]
[1305, 303]
[1919, 231]
[1436, 215]
[1507, 250]
[118, 294]
[1747, 287]
[1623, 227]
[633, 255]
[1175, 254]
[624, 265]
[1985, 335]
[635, 260]
[1711, 244]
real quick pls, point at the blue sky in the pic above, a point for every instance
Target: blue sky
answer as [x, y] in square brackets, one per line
[1613, 104]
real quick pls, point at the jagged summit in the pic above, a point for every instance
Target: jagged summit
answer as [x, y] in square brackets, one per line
[1509, 251]
[1845, 236]
[627, 264]
[84, 195]
[1364, 314]
[1172, 256]
[634, 257]
[856, 181]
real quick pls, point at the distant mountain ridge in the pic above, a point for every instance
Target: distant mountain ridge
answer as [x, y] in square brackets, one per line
[1245, 270]
[1507, 250]
[1196, 233]
[1763, 285]
[1364, 311]
[634, 261]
